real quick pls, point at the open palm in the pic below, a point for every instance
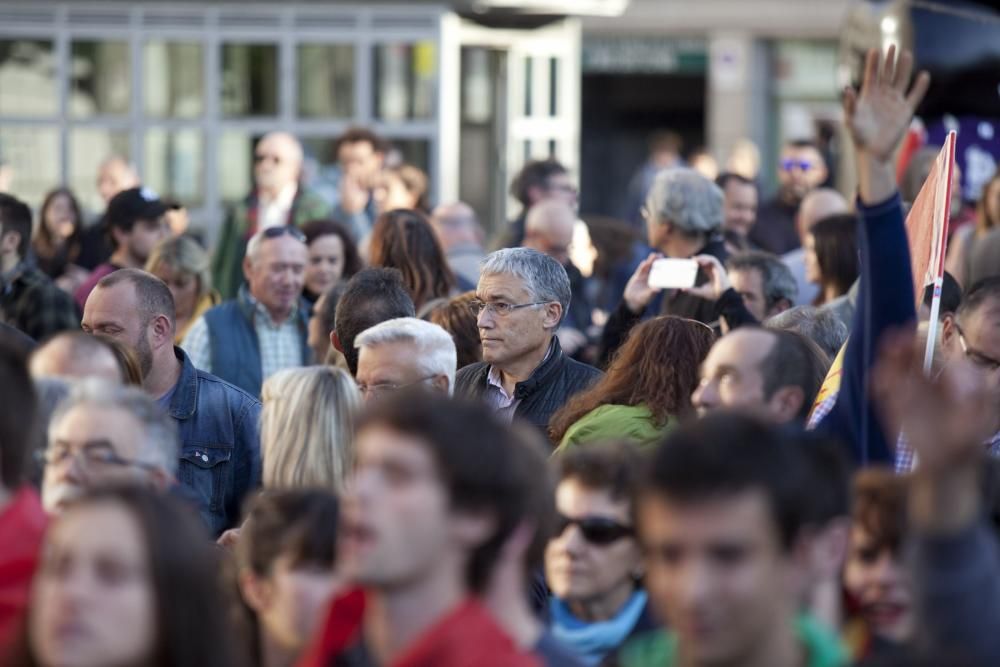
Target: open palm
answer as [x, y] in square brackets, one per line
[879, 114]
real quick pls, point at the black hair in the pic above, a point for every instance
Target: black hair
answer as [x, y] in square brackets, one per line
[951, 294]
[836, 243]
[372, 296]
[794, 361]
[979, 294]
[15, 217]
[535, 174]
[315, 229]
[723, 179]
[615, 467]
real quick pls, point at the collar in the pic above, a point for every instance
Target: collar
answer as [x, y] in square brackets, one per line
[251, 308]
[184, 402]
[284, 199]
[522, 389]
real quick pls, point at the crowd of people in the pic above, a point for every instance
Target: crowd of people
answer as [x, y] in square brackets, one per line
[355, 434]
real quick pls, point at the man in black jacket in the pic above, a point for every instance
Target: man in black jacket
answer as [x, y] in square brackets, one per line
[521, 300]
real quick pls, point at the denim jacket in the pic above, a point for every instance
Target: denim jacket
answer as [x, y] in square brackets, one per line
[219, 429]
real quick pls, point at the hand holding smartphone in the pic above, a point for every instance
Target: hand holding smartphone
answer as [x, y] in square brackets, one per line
[669, 273]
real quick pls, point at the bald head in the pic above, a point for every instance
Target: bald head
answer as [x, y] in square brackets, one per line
[75, 355]
[277, 163]
[114, 175]
[818, 204]
[548, 228]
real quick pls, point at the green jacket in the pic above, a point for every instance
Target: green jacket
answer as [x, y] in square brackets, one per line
[227, 262]
[659, 648]
[616, 422]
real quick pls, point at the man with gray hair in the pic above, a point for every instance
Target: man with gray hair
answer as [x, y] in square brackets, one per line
[683, 219]
[105, 434]
[821, 326]
[403, 352]
[266, 328]
[764, 282]
[521, 300]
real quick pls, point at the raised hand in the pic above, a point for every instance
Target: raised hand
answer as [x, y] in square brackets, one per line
[638, 293]
[878, 115]
[718, 279]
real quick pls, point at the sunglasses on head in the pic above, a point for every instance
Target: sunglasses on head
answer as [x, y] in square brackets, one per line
[804, 165]
[596, 530]
[294, 232]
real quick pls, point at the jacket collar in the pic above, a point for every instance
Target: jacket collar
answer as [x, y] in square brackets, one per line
[552, 361]
[184, 402]
[247, 305]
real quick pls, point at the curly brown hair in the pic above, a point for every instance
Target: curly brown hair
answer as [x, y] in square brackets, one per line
[404, 239]
[880, 506]
[657, 366]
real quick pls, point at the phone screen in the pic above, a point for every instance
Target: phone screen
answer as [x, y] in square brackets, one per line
[671, 273]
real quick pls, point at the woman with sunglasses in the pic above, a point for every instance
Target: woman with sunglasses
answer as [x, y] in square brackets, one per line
[593, 563]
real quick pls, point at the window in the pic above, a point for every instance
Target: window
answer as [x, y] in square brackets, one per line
[173, 164]
[27, 78]
[249, 80]
[404, 81]
[88, 148]
[326, 80]
[173, 80]
[27, 156]
[101, 78]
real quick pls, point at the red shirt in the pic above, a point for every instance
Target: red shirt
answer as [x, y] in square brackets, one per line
[466, 636]
[22, 527]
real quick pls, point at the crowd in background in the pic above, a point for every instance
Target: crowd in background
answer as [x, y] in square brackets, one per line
[356, 432]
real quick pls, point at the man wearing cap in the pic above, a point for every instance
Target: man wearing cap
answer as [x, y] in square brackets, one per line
[29, 300]
[266, 327]
[135, 222]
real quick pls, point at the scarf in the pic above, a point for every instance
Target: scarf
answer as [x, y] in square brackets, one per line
[591, 642]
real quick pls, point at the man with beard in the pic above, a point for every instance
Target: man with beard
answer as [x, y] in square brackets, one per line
[800, 170]
[137, 309]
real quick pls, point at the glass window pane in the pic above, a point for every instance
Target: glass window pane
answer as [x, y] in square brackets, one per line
[29, 161]
[326, 80]
[404, 81]
[411, 151]
[101, 76]
[27, 78]
[173, 80]
[249, 79]
[88, 148]
[173, 164]
[236, 164]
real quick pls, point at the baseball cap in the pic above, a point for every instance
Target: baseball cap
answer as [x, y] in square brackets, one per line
[133, 204]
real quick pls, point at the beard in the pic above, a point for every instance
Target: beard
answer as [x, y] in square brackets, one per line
[144, 355]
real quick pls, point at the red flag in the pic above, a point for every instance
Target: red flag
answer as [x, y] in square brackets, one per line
[927, 221]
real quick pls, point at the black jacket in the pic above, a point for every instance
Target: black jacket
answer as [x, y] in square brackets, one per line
[547, 390]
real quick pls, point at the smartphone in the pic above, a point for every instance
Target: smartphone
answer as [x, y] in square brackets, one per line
[671, 273]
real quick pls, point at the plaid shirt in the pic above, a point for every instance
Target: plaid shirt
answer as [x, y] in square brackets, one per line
[31, 302]
[280, 344]
[906, 458]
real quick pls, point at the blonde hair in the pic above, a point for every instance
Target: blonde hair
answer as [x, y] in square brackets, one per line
[307, 428]
[184, 255]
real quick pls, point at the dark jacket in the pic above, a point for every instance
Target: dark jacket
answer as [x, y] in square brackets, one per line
[234, 344]
[218, 428]
[675, 302]
[32, 303]
[775, 229]
[547, 390]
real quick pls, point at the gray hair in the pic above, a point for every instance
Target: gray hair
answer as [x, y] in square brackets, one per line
[160, 445]
[776, 278]
[685, 198]
[543, 277]
[435, 349]
[820, 325]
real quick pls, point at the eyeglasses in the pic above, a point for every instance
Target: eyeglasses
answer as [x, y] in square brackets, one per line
[789, 165]
[258, 158]
[500, 308]
[92, 455]
[983, 361]
[371, 391]
[281, 230]
[596, 530]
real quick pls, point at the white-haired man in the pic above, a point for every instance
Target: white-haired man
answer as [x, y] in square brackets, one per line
[266, 328]
[103, 434]
[403, 352]
[278, 199]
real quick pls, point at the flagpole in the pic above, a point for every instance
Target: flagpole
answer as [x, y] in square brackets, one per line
[932, 327]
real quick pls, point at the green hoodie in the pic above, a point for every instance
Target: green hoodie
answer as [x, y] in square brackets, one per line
[659, 648]
[614, 422]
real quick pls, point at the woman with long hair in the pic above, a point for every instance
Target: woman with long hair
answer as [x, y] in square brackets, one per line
[646, 388]
[404, 186]
[455, 316]
[185, 267]
[832, 259]
[57, 240]
[307, 428]
[333, 257]
[404, 239]
[127, 577]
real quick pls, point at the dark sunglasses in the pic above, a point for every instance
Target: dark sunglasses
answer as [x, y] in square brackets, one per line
[596, 530]
[294, 232]
[804, 165]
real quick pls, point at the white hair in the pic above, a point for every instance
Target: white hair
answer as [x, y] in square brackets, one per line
[435, 349]
[159, 446]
